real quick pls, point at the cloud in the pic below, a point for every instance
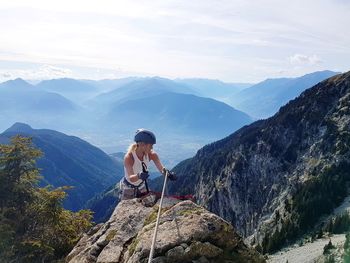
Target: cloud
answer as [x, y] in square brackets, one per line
[6, 75]
[176, 38]
[38, 73]
[300, 59]
[52, 71]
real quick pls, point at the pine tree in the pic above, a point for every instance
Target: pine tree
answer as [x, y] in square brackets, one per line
[34, 226]
[18, 177]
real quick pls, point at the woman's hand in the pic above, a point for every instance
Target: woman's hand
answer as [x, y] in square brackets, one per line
[171, 175]
[143, 175]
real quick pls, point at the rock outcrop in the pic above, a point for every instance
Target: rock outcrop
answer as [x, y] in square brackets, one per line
[186, 233]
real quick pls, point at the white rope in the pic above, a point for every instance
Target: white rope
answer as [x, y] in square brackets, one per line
[157, 222]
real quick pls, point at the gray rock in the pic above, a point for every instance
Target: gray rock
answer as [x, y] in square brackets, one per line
[175, 254]
[187, 232]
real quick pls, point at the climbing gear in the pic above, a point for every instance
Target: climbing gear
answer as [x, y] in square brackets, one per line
[143, 176]
[172, 176]
[130, 190]
[149, 199]
[146, 136]
[157, 222]
[145, 170]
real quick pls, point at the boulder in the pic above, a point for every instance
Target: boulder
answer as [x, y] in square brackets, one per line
[186, 233]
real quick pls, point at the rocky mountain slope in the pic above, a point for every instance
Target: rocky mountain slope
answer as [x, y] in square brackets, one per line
[186, 233]
[275, 178]
[311, 252]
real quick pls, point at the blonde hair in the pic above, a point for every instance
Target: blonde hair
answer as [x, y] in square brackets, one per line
[132, 148]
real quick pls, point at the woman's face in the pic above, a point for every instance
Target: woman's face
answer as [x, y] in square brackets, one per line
[147, 147]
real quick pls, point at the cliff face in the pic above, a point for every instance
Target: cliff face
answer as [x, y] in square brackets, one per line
[267, 172]
[187, 232]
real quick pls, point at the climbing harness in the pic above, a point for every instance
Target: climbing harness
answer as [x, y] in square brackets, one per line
[144, 169]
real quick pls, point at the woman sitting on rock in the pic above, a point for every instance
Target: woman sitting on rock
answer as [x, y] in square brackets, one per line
[136, 160]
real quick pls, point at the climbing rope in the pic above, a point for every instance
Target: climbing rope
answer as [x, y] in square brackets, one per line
[157, 222]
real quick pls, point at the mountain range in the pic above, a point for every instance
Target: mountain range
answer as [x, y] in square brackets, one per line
[214, 89]
[175, 112]
[75, 90]
[70, 161]
[139, 89]
[23, 102]
[95, 112]
[263, 99]
[274, 179]
[107, 112]
[19, 95]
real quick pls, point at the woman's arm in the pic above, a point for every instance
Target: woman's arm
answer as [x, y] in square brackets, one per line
[128, 163]
[154, 157]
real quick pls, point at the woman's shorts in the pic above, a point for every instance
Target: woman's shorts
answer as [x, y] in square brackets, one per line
[130, 192]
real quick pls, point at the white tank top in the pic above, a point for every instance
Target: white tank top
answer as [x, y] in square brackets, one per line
[137, 167]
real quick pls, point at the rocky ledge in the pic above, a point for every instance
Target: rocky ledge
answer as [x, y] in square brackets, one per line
[186, 233]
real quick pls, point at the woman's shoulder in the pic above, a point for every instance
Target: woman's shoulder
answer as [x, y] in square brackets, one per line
[152, 156]
[128, 157]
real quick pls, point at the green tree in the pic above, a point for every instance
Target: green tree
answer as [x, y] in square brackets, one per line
[34, 226]
[328, 247]
[18, 177]
[18, 173]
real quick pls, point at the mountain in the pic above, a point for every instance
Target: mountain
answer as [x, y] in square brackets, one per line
[175, 112]
[22, 102]
[138, 89]
[186, 233]
[18, 95]
[275, 178]
[103, 204]
[118, 158]
[75, 90]
[214, 89]
[106, 85]
[265, 98]
[100, 121]
[68, 160]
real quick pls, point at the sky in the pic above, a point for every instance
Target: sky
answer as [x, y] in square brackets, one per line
[233, 41]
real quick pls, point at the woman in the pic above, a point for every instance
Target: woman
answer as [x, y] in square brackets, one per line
[136, 161]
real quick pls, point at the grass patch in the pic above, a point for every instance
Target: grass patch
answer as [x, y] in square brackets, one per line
[132, 246]
[111, 235]
[153, 215]
[188, 212]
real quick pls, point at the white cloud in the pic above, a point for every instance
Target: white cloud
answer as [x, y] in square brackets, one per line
[53, 71]
[178, 38]
[38, 73]
[300, 59]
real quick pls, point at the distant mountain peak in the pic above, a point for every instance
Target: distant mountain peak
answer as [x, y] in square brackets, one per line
[18, 82]
[60, 79]
[19, 127]
[322, 72]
